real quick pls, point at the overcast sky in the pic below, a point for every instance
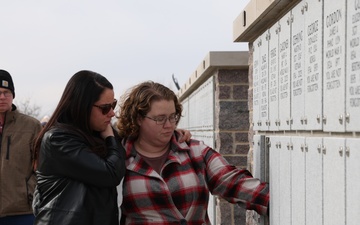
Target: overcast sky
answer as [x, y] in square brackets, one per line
[44, 42]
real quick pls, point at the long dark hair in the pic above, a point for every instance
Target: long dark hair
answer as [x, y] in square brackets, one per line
[74, 108]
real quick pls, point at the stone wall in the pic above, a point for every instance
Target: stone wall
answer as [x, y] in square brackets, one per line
[232, 127]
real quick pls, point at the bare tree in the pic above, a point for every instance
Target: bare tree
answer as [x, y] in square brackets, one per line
[27, 108]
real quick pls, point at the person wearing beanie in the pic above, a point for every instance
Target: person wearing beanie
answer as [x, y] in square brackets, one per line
[17, 178]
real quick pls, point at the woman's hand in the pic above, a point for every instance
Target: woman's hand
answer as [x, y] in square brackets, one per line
[107, 132]
[186, 135]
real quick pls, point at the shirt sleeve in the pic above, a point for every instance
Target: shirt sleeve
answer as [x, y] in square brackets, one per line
[235, 185]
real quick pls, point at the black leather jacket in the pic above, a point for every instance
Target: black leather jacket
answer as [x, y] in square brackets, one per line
[74, 185]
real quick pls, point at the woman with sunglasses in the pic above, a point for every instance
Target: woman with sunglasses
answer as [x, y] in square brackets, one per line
[166, 181]
[78, 159]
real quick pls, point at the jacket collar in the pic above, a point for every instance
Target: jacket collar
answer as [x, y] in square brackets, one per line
[135, 163]
[175, 146]
[11, 115]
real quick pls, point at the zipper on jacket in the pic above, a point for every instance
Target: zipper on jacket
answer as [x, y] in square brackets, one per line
[8, 147]
[29, 195]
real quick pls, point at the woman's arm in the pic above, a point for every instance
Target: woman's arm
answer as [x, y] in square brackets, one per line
[65, 154]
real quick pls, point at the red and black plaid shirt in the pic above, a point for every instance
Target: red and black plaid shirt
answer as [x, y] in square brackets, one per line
[181, 191]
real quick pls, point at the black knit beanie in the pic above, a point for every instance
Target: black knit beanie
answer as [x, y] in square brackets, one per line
[6, 81]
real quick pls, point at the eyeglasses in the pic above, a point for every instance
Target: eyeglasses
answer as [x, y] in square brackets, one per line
[7, 94]
[105, 108]
[161, 120]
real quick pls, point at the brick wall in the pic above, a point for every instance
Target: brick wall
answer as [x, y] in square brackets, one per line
[232, 132]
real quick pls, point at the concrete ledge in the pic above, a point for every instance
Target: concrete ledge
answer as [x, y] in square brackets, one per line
[213, 61]
[257, 16]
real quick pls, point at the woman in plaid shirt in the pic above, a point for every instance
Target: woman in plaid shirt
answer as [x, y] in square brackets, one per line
[168, 182]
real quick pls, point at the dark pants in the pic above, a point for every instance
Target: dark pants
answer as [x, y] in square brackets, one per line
[17, 220]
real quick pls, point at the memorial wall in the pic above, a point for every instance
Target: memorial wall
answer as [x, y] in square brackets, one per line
[307, 69]
[306, 107]
[198, 113]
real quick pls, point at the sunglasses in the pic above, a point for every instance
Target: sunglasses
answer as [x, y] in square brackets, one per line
[105, 109]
